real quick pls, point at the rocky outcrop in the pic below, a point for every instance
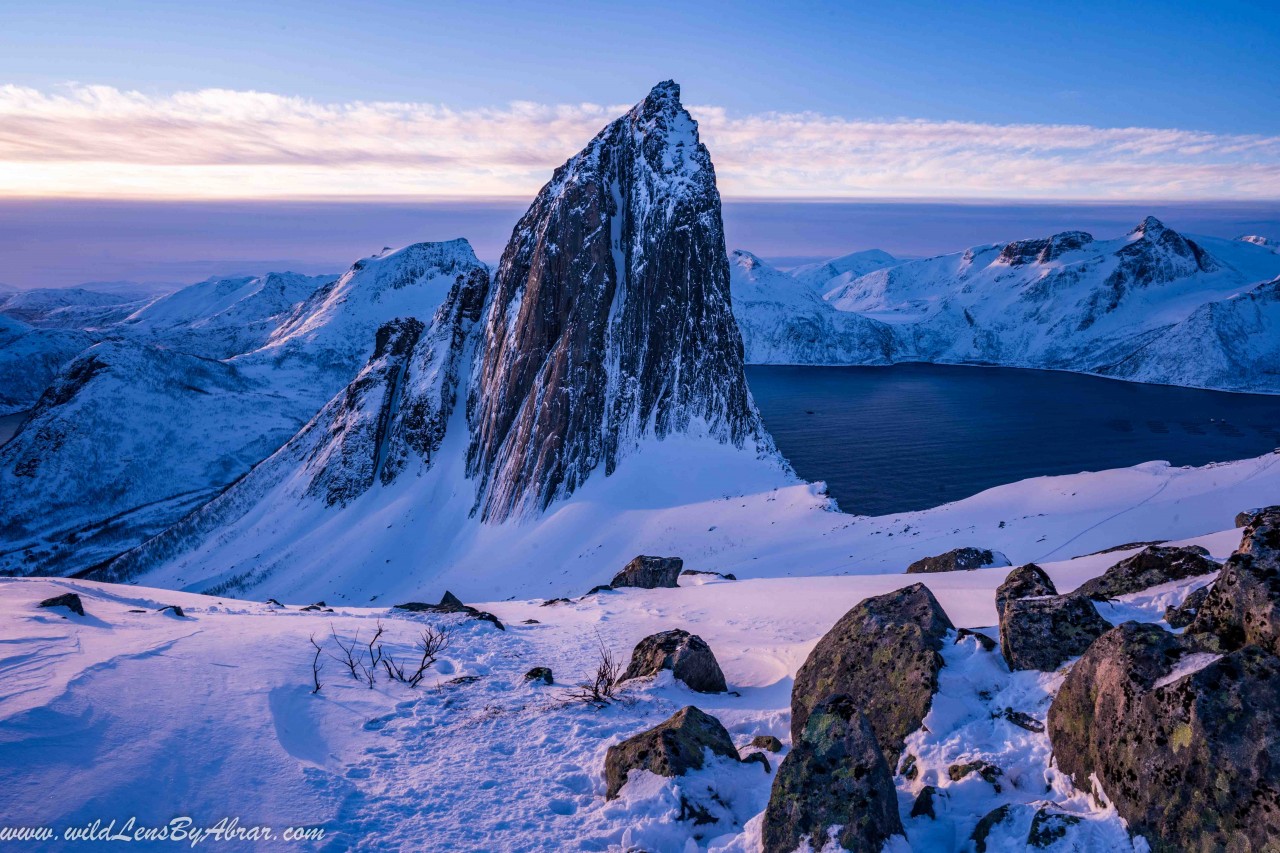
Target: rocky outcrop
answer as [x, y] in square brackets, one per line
[1244, 605]
[1150, 567]
[957, 560]
[450, 603]
[672, 748]
[1184, 743]
[610, 318]
[69, 600]
[1044, 633]
[687, 656]
[1023, 582]
[649, 573]
[835, 775]
[884, 654]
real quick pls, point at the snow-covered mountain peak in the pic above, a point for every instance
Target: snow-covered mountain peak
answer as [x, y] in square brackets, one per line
[822, 276]
[1043, 250]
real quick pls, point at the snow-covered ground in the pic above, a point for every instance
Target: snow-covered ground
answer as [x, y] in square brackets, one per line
[127, 712]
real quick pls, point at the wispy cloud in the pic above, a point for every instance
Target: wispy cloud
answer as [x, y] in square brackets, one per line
[214, 143]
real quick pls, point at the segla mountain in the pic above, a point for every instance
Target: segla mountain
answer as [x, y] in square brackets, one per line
[606, 328]
[1151, 306]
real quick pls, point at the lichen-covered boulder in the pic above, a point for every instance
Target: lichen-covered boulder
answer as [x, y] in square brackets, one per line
[884, 654]
[835, 775]
[1149, 567]
[769, 742]
[959, 560]
[1023, 582]
[687, 656]
[649, 573]
[1182, 615]
[1043, 633]
[672, 748]
[1185, 743]
[1244, 604]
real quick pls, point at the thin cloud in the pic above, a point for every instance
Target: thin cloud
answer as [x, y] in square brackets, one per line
[217, 143]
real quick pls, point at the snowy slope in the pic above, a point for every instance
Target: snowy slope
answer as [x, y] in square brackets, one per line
[826, 275]
[67, 307]
[221, 318]
[1075, 303]
[785, 321]
[132, 437]
[30, 358]
[219, 704]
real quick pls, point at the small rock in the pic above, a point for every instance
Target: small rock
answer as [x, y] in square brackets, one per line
[768, 742]
[728, 576]
[885, 654]
[1022, 720]
[988, 644]
[1150, 567]
[552, 601]
[649, 573]
[604, 587]
[69, 600]
[1044, 633]
[1049, 828]
[923, 806]
[989, 821]
[687, 656]
[672, 748]
[909, 769]
[1184, 614]
[273, 602]
[464, 679]
[1023, 582]
[531, 622]
[988, 771]
[758, 758]
[539, 673]
[835, 775]
[959, 560]
[177, 611]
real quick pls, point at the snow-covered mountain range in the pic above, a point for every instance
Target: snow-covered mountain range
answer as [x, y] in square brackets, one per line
[1150, 306]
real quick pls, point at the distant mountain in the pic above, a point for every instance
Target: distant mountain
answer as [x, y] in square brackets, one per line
[132, 436]
[837, 271]
[1066, 302]
[30, 358]
[785, 321]
[68, 307]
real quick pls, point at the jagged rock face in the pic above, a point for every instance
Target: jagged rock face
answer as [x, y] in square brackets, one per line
[1184, 743]
[1150, 567]
[957, 560]
[687, 656]
[885, 654]
[1042, 251]
[610, 317]
[672, 748]
[835, 775]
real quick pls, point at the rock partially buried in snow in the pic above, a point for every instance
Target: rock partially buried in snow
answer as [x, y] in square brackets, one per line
[672, 748]
[1182, 615]
[884, 654]
[1150, 567]
[1023, 582]
[649, 573]
[1184, 743]
[957, 560]
[539, 674]
[450, 603]
[1043, 633]
[687, 656]
[69, 600]
[835, 775]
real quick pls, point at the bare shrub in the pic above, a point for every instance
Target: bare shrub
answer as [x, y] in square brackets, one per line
[316, 666]
[601, 689]
[431, 644]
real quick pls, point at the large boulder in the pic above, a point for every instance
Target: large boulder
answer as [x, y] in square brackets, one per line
[884, 655]
[957, 560]
[835, 775]
[1149, 567]
[69, 600]
[1043, 633]
[1023, 582]
[1244, 604]
[1185, 743]
[672, 748]
[687, 656]
[649, 573]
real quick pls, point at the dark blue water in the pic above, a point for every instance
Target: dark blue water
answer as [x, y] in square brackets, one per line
[912, 436]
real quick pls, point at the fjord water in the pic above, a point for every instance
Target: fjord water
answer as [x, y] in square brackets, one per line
[913, 436]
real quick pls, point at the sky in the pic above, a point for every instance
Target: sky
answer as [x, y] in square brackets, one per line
[373, 106]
